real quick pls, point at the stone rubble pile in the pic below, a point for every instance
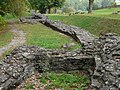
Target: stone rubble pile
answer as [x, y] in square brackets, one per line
[26, 60]
[16, 67]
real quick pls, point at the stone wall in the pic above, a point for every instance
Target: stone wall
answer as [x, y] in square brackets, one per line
[100, 57]
[107, 72]
[25, 60]
[80, 35]
[17, 66]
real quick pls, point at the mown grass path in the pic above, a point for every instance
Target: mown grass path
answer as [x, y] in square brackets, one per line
[19, 39]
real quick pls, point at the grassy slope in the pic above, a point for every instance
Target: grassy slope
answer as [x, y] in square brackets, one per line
[40, 35]
[95, 25]
[106, 11]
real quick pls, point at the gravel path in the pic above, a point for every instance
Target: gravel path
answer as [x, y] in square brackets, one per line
[19, 39]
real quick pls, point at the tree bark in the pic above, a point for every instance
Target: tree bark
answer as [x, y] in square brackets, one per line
[55, 10]
[49, 10]
[90, 6]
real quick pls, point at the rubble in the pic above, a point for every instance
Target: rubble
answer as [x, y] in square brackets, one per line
[24, 61]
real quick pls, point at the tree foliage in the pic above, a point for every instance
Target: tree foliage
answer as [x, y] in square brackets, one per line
[43, 5]
[68, 10]
[84, 4]
[3, 7]
[16, 7]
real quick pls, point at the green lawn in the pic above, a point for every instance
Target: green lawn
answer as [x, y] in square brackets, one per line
[93, 24]
[5, 36]
[43, 36]
[106, 11]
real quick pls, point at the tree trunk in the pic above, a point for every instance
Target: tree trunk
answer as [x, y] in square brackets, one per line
[90, 6]
[43, 11]
[55, 10]
[49, 10]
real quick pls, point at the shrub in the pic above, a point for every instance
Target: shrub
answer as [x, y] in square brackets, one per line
[68, 10]
[2, 13]
[2, 21]
[9, 16]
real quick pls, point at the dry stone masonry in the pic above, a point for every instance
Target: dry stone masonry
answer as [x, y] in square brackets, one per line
[107, 72]
[25, 60]
[99, 57]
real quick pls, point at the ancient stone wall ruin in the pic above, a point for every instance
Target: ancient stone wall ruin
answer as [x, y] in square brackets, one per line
[107, 72]
[25, 60]
[100, 57]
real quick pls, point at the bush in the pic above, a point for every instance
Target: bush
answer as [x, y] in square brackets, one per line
[2, 13]
[59, 11]
[9, 16]
[2, 21]
[68, 10]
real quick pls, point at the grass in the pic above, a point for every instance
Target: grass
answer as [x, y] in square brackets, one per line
[29, 86]
[94, 25]
[9, 17]
[42, 36]
[64, 81]
[106, 11]
[5, 36]
[6, 53]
